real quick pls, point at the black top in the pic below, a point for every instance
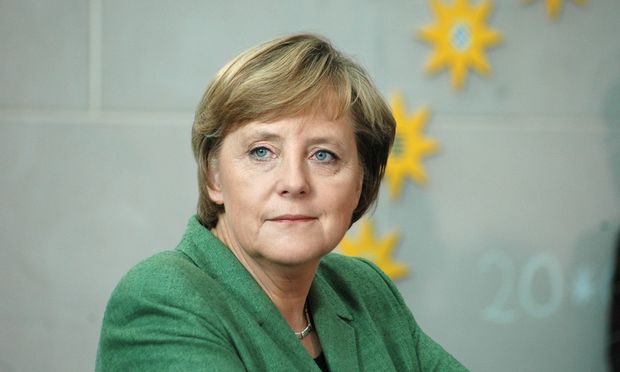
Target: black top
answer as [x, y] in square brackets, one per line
[320, 361]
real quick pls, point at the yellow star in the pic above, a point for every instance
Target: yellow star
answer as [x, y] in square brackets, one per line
[554, 6]
[460, 37]
[409, 147]
[376, 251]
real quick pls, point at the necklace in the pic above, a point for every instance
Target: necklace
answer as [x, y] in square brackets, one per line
[306, 331]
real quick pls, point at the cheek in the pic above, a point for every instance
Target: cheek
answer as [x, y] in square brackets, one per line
[242, 193]
[348, 195]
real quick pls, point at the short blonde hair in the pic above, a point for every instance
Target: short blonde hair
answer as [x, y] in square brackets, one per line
[282, 78]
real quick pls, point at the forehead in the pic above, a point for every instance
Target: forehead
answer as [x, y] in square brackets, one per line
[322, 103]
[305, 125]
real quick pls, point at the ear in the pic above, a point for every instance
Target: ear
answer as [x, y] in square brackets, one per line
[214, 186]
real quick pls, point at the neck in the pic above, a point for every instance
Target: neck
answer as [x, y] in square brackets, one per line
[288, 293]
[286, 286]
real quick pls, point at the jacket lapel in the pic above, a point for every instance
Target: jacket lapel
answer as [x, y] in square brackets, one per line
[213, 257]
[333, 323]
[332, 320]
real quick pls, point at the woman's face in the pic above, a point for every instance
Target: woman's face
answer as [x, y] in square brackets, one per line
[289, 188]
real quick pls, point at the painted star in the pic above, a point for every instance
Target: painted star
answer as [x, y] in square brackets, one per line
[554, 6]
[460, 37]
[409, 147]
[377, 251]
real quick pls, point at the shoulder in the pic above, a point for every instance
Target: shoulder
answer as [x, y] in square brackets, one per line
[165, 279]
[346, 266]
[164, 269]
[364, 289]
[358, 277]
[165, 312]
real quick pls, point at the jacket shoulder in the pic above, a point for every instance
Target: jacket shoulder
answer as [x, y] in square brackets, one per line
[362, 285]
[163, 313]
[164, 269]
[159, 283]
[358, 277]
[348, 266]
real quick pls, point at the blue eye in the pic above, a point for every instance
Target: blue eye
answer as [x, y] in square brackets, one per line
[260, 153]
[324, 156]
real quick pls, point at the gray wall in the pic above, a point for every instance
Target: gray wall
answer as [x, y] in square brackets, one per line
[509, 244]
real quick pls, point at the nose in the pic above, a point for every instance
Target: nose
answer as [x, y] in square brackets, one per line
[293, 178]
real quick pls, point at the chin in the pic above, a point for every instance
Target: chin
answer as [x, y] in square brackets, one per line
[299, 257]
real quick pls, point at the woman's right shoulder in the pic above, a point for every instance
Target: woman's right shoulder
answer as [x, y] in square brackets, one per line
[167, 274]
[170, 265]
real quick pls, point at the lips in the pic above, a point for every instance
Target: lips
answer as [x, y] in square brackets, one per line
[292, 218]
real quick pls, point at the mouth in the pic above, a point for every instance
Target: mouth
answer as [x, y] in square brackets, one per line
[292, 219]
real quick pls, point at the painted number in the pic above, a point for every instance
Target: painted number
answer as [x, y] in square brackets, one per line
[500, 309]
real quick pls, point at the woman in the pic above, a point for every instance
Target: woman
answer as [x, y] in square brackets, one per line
[291, 140]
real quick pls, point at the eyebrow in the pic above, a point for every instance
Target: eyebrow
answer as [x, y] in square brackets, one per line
[325, 140]
[263, 135]
[266, 135]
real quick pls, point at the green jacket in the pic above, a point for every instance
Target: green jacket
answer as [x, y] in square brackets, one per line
[197, 308]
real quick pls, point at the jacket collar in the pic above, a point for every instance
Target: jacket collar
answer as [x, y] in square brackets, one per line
[213, 257]
[330, 315]
[334, 324]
